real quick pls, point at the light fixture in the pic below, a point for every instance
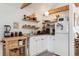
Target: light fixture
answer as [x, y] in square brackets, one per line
[46, 13]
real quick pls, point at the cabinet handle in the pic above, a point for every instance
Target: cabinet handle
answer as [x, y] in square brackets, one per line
[42, 39]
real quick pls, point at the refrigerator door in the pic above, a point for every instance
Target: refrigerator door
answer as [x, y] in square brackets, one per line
[61, 26]
[61, 44]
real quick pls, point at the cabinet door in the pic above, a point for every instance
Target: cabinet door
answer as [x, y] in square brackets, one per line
[61, 44]
[43, 44]
[38, 45]
[33, 46]
[50, 43]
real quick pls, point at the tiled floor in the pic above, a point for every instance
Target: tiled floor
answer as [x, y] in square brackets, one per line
[46, 53]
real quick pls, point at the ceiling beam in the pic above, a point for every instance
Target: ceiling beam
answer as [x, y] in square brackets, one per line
[76, 4]
[25, 5]
[59, 9]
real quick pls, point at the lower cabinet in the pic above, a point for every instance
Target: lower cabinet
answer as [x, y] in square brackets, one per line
[50, 43]
[56, 44]
[37, 45]
[32, 46]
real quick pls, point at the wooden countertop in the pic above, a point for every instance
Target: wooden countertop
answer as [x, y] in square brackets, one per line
[15, 38]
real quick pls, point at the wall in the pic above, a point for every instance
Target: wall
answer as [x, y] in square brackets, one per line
[8, 15]
[71, 32]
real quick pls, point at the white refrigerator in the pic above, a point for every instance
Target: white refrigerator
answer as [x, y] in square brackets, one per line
[61, 37]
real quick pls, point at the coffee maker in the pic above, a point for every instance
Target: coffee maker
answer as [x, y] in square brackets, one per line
[7, 29]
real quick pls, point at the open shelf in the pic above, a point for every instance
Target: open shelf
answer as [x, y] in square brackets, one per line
[32, 21]
[17, 47]
[29, 27]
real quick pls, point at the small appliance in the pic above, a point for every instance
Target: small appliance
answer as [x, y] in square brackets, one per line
[7, 29]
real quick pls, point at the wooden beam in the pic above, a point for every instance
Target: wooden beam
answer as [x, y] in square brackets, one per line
[25, 5]
[59, 9]
[76, 4]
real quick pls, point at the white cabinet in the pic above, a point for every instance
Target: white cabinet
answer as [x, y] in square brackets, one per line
[57, 44]
[37, 45]
[61, 44]
[33, 46]
[50, 43]
[43, 43]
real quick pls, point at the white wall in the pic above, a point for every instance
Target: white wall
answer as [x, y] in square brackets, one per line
[71, 32]
[8, 15]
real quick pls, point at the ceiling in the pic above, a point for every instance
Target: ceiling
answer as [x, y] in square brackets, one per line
[13, 5]
[36, 5]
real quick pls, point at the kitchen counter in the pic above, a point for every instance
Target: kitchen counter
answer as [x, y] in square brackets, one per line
[41, 35]
[40, 43]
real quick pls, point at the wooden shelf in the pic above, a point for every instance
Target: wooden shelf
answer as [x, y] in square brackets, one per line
[32, 21]
[14, 38]
[29, 27]
[17, 47]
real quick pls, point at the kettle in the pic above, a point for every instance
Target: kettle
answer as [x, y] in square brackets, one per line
[7, 29]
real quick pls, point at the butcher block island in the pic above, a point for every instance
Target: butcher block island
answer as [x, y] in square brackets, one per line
[15, 46]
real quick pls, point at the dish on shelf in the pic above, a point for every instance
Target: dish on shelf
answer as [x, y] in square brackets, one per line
[29, 27]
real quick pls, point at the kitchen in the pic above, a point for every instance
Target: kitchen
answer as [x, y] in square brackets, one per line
[45, 26]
